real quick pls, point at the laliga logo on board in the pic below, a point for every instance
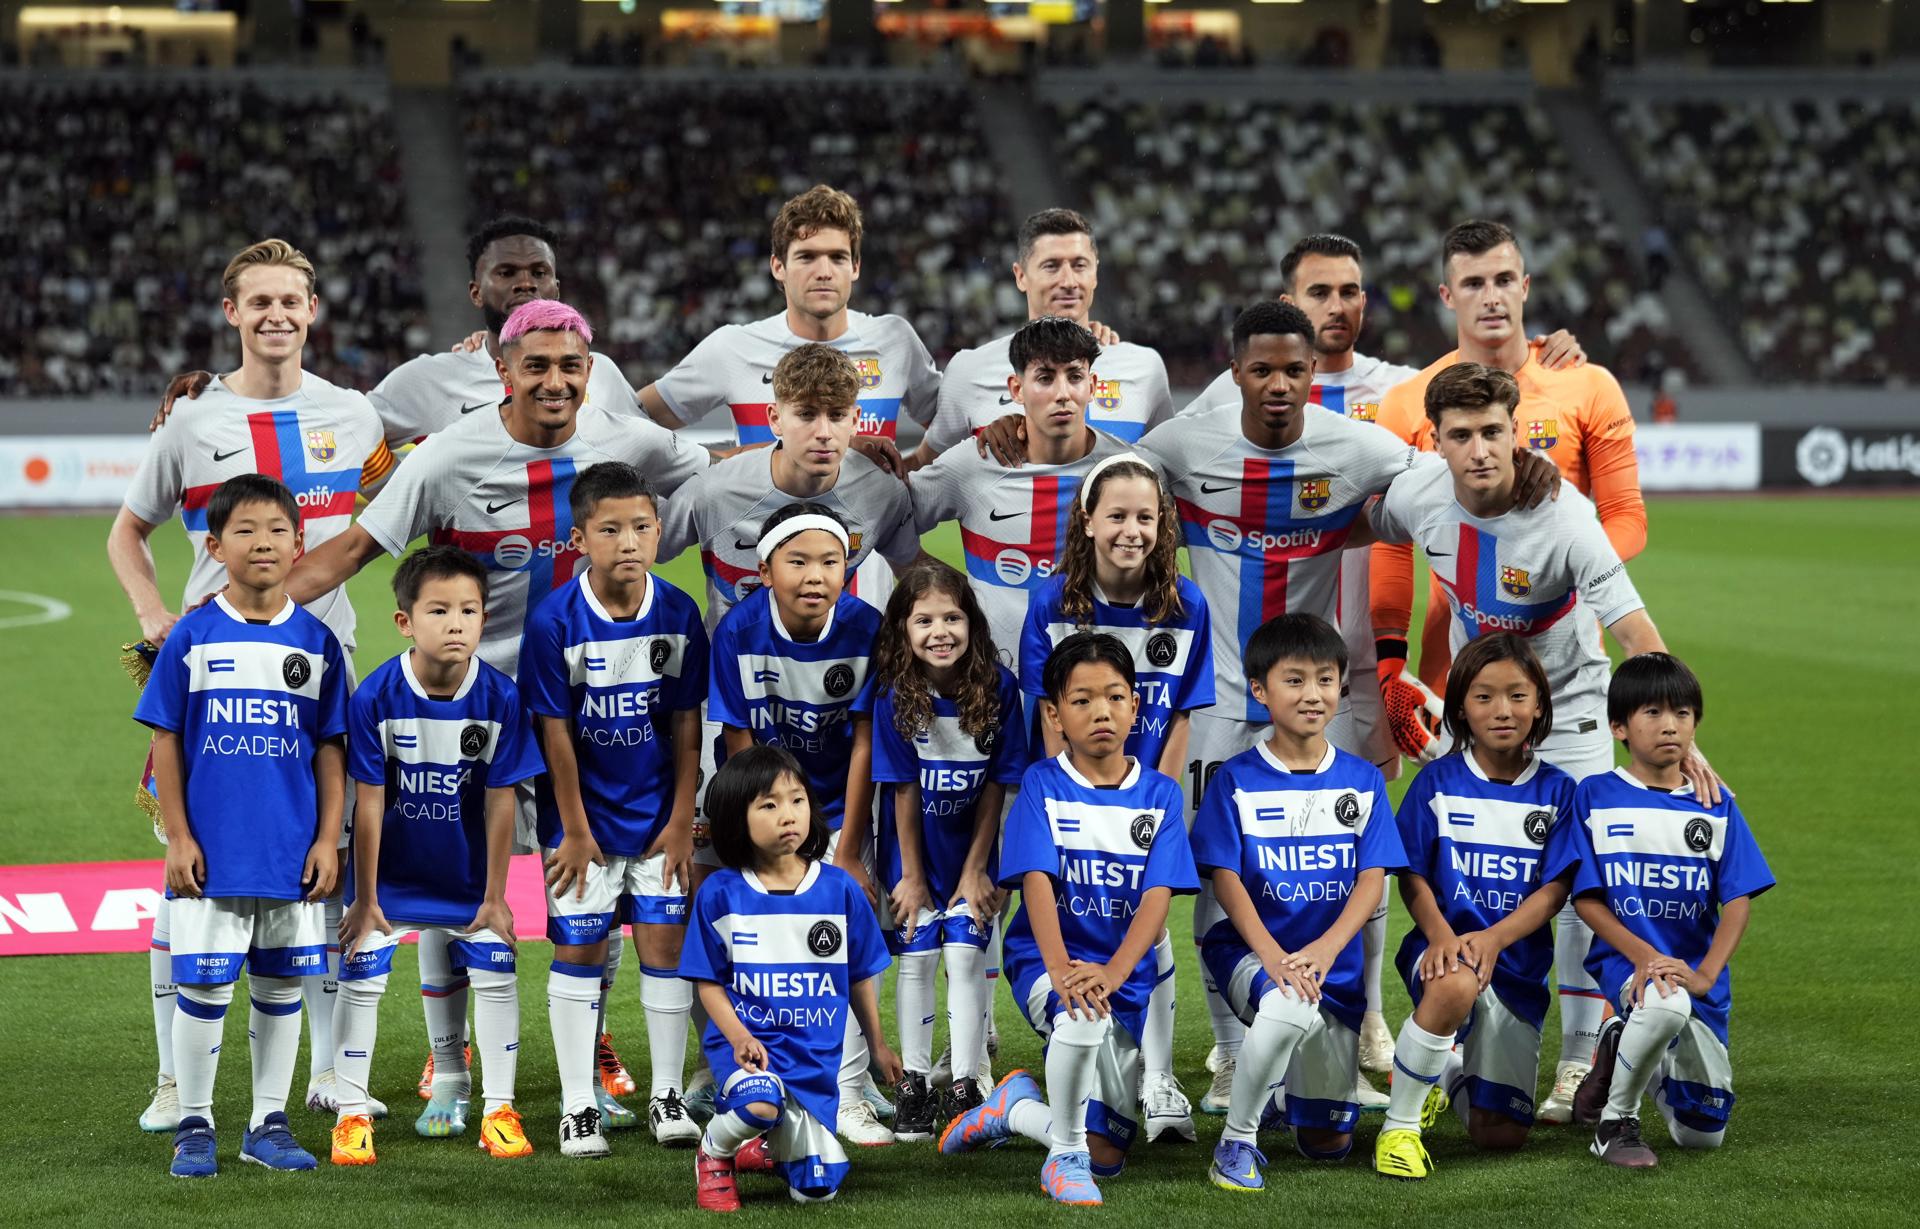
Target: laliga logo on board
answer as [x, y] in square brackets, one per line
[320, 445]
[1821, 456]
[1314, 493]
[1543, 433]
[1106, 395]
[1515, 581]
[869, 369]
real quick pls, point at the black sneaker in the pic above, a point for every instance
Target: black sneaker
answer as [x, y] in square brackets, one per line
[1617, 1142]
[1590, 1099]
[913, 1113]
[962, 1095]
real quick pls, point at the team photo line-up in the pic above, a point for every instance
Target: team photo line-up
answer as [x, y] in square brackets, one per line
[858, 757]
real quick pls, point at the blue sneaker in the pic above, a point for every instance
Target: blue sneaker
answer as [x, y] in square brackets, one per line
[272, 1144]
[1068, 1178]
[193, 1150]
[443, 1117]
[1236, 1166]
[986, 1124]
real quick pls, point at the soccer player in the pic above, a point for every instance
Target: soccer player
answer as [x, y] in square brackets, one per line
[1096, 845]
[1475, 825]
[1013, 521]
[614, 670]
[1058, 269]
[437, 740]
[1666, 879]
[248, 704]
[1298, 837]
[269, 417]
[1545, 573]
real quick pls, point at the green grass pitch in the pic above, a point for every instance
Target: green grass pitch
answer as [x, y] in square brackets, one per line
[1798, 613]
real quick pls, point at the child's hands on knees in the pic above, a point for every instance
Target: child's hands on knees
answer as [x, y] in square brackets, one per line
[1071, 983]
[1292, 981]
[1665, 973]
[909, 897]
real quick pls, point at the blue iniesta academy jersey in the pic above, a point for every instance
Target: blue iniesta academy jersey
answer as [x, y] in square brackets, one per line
[251, 702]
[1665, 863]
[1104, 849]
[951, 767]
[619, 682]
[794, 694]
[1172, 662]
[1298, 841]
[789, 962]
[1482, 847]
[436, 759]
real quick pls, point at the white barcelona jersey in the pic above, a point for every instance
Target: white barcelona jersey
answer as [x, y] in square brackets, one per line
[1130, 396]
[433, 391]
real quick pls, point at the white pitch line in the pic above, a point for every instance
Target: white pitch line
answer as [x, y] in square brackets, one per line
[52, 610]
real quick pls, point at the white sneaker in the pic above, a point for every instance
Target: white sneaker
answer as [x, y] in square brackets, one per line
[858, 1124]
[1376, 1044]
[163, 1112]
[1166, 1107]
[1557, 1109]
[323, 1096]
[1220, 1092]
[1215, 1057]
[672, 1126]
[1366, 1096]
[580, 1134]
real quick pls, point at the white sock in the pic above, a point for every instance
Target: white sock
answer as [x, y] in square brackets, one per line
[197, 1027]
[969, 998]
[1649, 1031]
[1072, 1055]
[1454, 1080]
[1373, 945]
[853, 1064]
[160, 974]
[1228, 1031]
[1582, 1007]
[728, 1132]
[573, 1011]
[667, 1001]
[321, 994]
[356, 1023]
[274, 1027]
[1681, 1133]
[913, 1008]
[1034, 1120]
[1419, 1060]
[1279, 1026]
[496, 1015]
[443, 1000]
[1156, 1037]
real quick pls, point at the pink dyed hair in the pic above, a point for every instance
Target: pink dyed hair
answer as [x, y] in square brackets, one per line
[539, 314]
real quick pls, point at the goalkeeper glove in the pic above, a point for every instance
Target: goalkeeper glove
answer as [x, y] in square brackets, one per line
[1413, 711]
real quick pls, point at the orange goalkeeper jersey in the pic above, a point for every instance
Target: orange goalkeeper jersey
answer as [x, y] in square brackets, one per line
[1579, 418]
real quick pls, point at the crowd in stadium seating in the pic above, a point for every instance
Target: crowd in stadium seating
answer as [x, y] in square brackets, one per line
[124, 201]
[663, 196]
[1804, 217]
[1197, 201]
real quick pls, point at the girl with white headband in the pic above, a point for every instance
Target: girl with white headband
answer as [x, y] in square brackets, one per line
[1120, 574]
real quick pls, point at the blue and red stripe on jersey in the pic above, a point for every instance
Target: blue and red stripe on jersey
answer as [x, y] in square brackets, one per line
[1476, 598]
[280, 451]
[549, 526]
[1051, 506]
[878, 416]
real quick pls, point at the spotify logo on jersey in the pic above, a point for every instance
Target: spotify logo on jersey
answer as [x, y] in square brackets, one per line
[512, 552]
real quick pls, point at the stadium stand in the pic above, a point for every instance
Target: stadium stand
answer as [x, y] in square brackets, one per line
[663, 195]
[1198, 200]
[124, 201]
[1802, 217]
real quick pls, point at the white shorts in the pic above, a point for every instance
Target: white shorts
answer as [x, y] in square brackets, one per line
[1695, 1079]
[1116, 1079]
[213, 938]
[1211, 742]
[1576, 750]
[1326, 1064]
[805, 1151]
[624, 890]
[468, 951]
[1500, 1056]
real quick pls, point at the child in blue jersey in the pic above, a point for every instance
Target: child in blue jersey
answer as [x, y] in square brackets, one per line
[1096, 845]
[1298, 837]
[1477, 826]
[248, 705]
[1667, 882]
[784, 950]
[1121, 575]
[613, 670]
[949, 737]
[437, 740]
[791, 667]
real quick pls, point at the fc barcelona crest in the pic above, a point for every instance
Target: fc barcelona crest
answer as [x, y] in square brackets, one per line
[1106, 395]
[1515, 582]
[1314, 493]
[320, 445]
[869, 369]
[1543, 433]
[1364, 411]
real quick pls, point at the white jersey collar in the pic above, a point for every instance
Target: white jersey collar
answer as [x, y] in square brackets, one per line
[1526, 774]
[1128, 782]
[459, 693]
[780, 629]
[806, 881]
[1685, 790]
[1273, 761]
[286, 611]
[600, 612]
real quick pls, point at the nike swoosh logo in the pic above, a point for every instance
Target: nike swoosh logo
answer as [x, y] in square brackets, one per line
[1441, 553]
[478, 405]
[1006, 401]
[1001, 516]
[493, 508]
[739, 545]
[221, 456]
[766, 379]
[1215, 490]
